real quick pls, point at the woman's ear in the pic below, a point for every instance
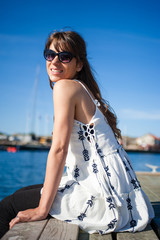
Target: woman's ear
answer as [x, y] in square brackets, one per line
[79, 66]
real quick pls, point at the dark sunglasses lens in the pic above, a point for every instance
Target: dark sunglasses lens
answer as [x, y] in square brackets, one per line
[65, 57]
[49, 55]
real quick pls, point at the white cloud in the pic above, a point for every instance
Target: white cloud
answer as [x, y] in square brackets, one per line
[137, 114]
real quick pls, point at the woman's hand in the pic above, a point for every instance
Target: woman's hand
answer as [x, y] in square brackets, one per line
[29, 215]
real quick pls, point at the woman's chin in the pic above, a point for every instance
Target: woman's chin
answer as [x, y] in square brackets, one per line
[54, 78]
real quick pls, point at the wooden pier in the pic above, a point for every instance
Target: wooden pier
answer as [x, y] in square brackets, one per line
[52, 229]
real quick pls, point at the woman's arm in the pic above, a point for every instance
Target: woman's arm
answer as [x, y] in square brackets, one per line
[64, 97]
[64, 108]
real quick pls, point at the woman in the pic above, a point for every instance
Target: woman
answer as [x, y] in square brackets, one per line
[99, 191]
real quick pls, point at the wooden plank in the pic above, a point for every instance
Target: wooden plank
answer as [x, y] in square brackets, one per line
[100, 237]
[150, 193]
[29, 230]
[147, 234]
[153, 183]
[85, 236]
[58, 230]
[150, 184]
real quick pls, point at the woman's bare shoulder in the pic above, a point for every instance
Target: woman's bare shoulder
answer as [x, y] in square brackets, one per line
[67, 86]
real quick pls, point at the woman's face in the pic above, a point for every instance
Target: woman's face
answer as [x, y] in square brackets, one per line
[58, 70]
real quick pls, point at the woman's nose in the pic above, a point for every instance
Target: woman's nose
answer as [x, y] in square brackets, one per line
[55, 60]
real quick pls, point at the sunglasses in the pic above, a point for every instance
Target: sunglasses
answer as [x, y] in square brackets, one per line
[64, 57]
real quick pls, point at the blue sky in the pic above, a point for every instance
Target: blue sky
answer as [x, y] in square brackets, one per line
[123, 42]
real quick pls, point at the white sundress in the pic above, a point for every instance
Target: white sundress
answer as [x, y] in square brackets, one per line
[99, 190]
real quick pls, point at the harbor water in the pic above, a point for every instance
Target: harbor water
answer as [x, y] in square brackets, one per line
[25, 168]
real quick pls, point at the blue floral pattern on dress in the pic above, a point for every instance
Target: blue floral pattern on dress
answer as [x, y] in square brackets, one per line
[67, 186]
[95, 170]
[106, 168]
[111, 204]
[76, 170]
[99, 151]
[90, 204]
[133, 222]
[134, 181]
[111, 225]
[110, 200]
[112, 208]
[82, 138]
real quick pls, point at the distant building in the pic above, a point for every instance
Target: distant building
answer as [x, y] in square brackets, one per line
[20, 137]
[148, 141]
[3, 136]
[129, 142]
[45, 140]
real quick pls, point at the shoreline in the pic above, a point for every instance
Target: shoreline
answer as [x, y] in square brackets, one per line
[147, 173]
[42, 147]
[142, 151]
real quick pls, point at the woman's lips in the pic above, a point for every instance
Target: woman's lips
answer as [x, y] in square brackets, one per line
[56, 71]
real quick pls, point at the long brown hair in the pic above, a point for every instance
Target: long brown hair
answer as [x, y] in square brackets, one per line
[73, 42]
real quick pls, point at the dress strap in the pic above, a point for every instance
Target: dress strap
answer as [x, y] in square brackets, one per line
[96, 102]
